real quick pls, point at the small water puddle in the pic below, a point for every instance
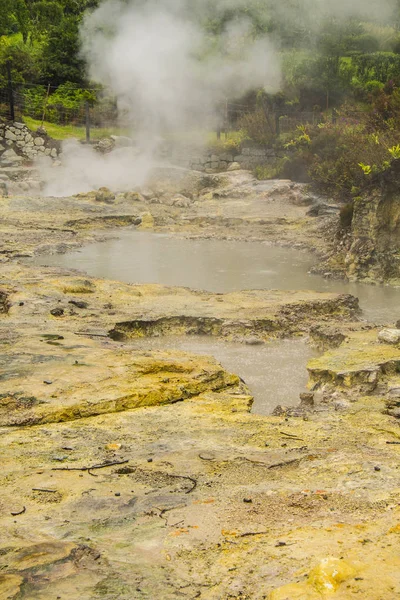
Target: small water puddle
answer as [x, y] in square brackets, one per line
[217, 266]
[275, 372]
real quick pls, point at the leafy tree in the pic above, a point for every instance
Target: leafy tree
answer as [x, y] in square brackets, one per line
[6, 16]
[60, 61]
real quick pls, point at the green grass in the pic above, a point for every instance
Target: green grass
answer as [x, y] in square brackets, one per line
[65, 132]
[229, 142]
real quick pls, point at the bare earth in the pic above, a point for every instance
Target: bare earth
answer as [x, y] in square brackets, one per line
[131, 474]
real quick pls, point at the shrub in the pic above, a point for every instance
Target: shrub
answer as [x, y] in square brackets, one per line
[257, 127]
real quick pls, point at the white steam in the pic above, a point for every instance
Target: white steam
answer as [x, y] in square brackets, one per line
[168, 74]
[162, 66]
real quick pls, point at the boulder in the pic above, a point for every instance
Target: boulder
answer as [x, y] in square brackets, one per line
[9, 157]
[9, 135]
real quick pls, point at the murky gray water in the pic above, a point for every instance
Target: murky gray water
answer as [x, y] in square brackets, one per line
[217, 266]
[275, 373]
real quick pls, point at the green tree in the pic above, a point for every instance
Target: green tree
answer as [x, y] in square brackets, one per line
[60, 60]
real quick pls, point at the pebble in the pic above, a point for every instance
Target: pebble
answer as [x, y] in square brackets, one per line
[377, 468]
[247, 500]
[117, 494]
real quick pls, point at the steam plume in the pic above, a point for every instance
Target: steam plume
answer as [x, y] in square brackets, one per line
[167, 73]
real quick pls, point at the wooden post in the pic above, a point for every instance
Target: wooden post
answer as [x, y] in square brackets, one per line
[10, 92]
[87, 121]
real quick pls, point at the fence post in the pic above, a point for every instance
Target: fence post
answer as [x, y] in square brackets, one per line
[10, 92]
[87, 121]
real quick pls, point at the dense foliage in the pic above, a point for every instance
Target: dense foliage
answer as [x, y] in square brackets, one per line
[346, 70]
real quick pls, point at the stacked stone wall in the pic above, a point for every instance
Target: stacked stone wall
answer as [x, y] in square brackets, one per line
[19, 144]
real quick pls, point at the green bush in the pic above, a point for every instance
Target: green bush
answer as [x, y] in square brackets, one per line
[257, 127]
[272, 170]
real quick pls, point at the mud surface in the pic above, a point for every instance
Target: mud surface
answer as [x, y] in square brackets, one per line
[142, 473]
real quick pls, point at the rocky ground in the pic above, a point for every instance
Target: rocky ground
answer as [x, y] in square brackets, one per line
[131, 474]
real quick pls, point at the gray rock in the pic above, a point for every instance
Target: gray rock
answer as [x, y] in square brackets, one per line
[39, 141]
[389, 336]
[19, 125]
[181, 201]
[122, 141]
[53, 152]
[9, 135]
[11, 157]
[235, 166]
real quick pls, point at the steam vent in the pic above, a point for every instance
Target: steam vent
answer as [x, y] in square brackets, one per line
[199, 300]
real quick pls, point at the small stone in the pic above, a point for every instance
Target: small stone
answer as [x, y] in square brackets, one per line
[113, 446]
[57, 312]
[47, 382]
[377, 468]
[79, 303]
[117, 494]
[149, 460]
[247, 500]
[253, 341]
[389, 336]
[39, 141]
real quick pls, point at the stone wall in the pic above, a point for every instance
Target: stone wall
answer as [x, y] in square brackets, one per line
[19, 144]
[248, 158]
[199, 159]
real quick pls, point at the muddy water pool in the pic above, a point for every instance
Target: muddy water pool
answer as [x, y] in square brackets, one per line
[276, 373]
[217, 266]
